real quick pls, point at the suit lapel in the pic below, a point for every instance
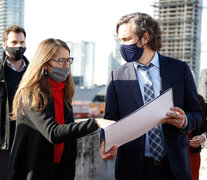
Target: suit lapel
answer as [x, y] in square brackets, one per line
[165, 73]
[66, 115]
[134, 85]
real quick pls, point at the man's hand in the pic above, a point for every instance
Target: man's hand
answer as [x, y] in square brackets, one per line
[176, 117]
[197, 141]
[110, 154]
[103, 123]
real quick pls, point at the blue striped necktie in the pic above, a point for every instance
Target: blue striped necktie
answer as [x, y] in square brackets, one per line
[155, 141]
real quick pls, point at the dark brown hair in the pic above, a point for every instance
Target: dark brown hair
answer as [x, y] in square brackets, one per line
[13, 28]
[143, 23]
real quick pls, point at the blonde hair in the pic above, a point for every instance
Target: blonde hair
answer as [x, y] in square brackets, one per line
[33, 91]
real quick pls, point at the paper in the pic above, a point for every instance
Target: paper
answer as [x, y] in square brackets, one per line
[139, 122]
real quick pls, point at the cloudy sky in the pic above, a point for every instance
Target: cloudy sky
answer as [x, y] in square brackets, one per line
[88, 20]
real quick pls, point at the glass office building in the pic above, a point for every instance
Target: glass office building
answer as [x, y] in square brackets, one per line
[83, 68]
[11, 12]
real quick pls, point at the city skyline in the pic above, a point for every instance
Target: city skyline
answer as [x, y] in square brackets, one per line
[91, 21]
[79, 20]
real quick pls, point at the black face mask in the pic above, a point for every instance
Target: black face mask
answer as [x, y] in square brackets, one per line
[16, 53]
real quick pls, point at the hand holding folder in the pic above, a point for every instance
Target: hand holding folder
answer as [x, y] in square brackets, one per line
[139, 122]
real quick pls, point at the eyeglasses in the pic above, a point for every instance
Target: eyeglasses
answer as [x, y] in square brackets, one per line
[63, 61]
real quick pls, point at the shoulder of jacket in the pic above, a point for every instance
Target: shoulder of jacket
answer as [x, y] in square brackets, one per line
[26, 60]
[123, 67]
[167, 58]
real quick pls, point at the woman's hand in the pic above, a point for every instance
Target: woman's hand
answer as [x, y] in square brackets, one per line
[103, 123]
[196, 141]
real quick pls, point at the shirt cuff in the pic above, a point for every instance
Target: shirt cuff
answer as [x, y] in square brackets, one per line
[186, 120]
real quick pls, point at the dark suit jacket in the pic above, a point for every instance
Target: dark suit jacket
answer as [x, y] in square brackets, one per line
[124, 96]
[33, 148]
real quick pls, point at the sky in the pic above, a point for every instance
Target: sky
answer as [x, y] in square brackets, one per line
[88, 20]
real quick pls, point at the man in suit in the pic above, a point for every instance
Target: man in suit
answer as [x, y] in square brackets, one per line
[163, 152]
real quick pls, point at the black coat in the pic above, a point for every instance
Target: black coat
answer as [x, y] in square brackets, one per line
[33, 148]
[7, 127]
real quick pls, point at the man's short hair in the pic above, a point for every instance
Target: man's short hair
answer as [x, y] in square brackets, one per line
[13, 28]
[143, 23]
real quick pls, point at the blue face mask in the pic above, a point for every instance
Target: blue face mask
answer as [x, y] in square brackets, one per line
[131, 52]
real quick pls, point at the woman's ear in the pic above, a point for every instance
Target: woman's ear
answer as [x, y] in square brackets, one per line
[45, 67]
[45, 70]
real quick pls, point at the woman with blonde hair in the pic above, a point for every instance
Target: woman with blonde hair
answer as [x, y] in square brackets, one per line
[45, 141]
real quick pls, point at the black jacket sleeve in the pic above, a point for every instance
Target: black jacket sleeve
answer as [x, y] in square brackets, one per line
[45, 123]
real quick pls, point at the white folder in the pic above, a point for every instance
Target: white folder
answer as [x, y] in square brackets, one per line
[139, 122]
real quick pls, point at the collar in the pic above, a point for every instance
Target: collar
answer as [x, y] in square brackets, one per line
[154, 61]
[56, 86]
[9, 64]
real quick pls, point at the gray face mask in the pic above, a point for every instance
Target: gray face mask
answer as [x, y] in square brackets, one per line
[59, 74]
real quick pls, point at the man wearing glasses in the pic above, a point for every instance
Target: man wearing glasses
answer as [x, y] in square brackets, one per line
[12, 67]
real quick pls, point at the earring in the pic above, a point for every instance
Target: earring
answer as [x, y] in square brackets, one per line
[45, 71]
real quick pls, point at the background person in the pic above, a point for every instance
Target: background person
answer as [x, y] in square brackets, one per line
[197, 137]
[202, 84]
[12, 67]
[163, 152]
[45, 141]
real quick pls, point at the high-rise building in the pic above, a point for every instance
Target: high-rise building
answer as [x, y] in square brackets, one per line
[180, 22]
[11, 12]
[83, 65]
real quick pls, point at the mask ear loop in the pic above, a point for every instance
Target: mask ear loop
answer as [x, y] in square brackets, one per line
[141, 41]
[50, 65]
[142, 45]
[45, 71]
[137, 41]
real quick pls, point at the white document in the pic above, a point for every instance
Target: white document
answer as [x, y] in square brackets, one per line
[139, 122]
